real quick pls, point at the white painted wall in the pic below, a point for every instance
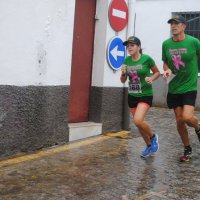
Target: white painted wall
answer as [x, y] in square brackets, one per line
[36, 38]
[103, 75]
[36, 42]
[151, 27]
[99, 59]
[151, 23]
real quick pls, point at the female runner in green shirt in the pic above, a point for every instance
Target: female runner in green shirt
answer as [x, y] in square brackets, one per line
[136, 68]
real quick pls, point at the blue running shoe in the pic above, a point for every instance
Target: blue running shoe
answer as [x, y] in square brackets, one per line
[154, 143]
[146, 152]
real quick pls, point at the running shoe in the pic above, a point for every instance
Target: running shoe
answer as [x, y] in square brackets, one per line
[187, 154]
[146, 152]
[154, 143]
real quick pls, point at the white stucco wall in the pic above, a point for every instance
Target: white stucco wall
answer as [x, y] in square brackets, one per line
[103, 75]
[150, 26]
[36, 38]
[151, 23]
[36, 42]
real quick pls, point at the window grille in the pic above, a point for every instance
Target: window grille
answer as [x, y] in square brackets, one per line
[193, 24]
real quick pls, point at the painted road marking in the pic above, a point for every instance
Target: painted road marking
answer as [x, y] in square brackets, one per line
[151, 194]
[121, 133]
[55, 150]
[119, 13]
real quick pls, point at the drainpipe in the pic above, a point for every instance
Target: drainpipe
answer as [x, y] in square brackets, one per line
[132, 17]
[130, 31]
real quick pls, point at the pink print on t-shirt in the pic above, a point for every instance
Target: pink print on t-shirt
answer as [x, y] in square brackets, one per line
[177, 61]
[134, 77]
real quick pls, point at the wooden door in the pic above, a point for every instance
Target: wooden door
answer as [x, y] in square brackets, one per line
[82, 55]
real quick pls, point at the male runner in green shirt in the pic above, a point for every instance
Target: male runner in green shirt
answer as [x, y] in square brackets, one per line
[180, 55]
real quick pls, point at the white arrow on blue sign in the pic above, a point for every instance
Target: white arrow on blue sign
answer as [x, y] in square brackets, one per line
[116, 52]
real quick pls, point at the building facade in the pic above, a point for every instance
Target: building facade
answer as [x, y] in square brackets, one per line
[56, 84]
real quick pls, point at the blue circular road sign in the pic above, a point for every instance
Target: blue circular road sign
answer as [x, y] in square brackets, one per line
[116, 53]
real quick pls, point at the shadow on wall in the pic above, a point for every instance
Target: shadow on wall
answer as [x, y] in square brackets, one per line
[160, 92]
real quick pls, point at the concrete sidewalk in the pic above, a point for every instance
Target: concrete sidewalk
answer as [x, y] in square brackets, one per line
[107, 167]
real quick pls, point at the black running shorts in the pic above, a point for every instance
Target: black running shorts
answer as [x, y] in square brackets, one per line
[133, 101]
[176, 100]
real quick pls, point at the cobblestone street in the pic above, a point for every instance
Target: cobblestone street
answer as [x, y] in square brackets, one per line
[107, 167]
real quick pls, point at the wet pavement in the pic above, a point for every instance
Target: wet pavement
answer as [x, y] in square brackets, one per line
[107, 167]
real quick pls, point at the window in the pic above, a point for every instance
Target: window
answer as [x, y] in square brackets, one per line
[193, 24]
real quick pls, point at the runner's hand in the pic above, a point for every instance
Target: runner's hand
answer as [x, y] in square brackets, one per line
[149, 80]
[167, 73]
[123, 69]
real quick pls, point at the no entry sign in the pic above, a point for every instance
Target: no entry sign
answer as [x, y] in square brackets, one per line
[118, 14]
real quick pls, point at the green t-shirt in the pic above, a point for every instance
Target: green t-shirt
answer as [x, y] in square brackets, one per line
[136, 72]
[182, 59]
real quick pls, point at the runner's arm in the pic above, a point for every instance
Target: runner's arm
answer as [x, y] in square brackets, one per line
[123, 77]
[156, 74]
